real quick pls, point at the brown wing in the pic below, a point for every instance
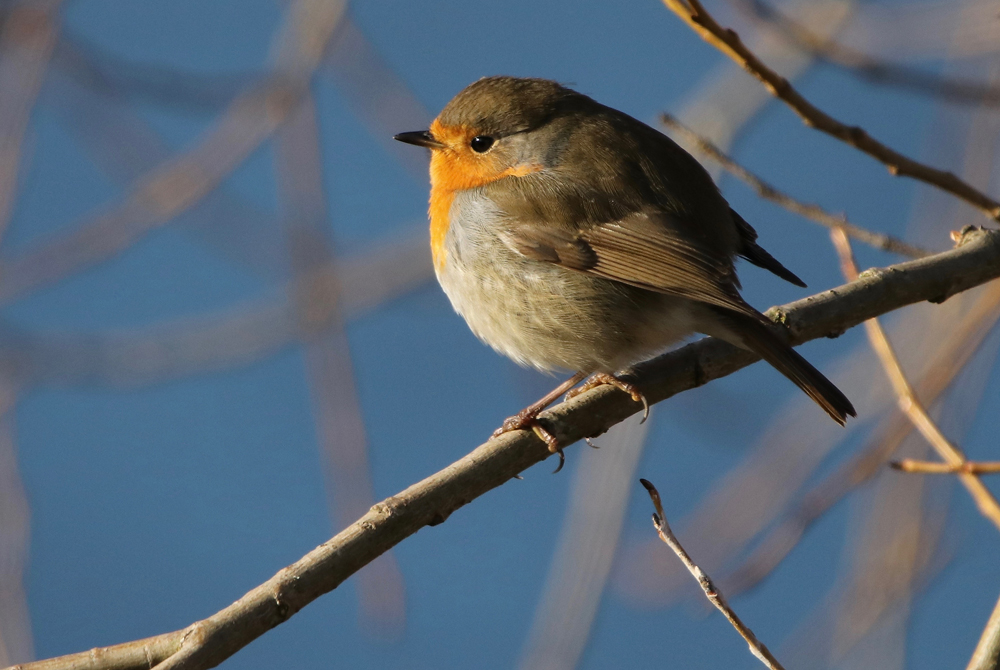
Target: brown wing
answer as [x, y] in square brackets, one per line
[644, 250]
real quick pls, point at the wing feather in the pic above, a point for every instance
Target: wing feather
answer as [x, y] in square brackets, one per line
[644, 250]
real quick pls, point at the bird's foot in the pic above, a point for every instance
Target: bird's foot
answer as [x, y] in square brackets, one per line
[602, 378]
[528, 419]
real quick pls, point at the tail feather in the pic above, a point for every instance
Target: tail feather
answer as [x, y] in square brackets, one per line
[758, 338]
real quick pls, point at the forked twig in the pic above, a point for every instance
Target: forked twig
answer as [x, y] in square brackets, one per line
[728, 42]
[757, 648]
[954, 354]
[908, 402]
[812, 212]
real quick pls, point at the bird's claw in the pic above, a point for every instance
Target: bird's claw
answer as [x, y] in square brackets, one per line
[602, 378]
[526, 420]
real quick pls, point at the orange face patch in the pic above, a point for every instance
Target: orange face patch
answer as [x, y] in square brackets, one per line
[456, 167]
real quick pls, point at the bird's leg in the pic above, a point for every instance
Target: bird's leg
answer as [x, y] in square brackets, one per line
[602, 378]
[528, 417]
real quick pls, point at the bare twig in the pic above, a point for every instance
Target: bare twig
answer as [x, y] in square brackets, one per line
[935, 468]
[828, 50]
[812, 212]
[908, 402]
[757, 648]
[728, 42]
[955, 352]
[430, 502]
[727, 101]
[987, 653]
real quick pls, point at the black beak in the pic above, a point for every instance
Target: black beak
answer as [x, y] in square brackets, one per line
[421, 138]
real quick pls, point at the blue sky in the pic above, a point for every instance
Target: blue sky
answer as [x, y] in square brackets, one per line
[157, 504]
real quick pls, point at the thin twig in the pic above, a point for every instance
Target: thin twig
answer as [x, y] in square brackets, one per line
[728, 42]
[987, 653]
[955, 352]
[935, 468]
[757, 648]
[207, 643]
[812, 212]
[828, 50]
[907, 399]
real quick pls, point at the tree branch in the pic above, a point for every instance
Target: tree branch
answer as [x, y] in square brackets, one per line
[936, 468]
[814, 213]
[950, 358]
[907, 399]
[728, 42]
[757, 648]
[208, 642]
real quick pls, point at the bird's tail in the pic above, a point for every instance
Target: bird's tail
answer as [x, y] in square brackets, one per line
[751, 334]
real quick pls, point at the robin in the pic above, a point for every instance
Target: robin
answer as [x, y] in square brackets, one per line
[573, 237]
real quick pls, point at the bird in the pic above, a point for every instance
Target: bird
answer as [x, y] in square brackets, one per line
[573, 237]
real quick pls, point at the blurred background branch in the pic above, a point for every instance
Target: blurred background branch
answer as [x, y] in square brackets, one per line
[727, 41]
[828, 50]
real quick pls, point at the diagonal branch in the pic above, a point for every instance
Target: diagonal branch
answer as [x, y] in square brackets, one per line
[208, 642]
[757, 648]
[728, 42]
[954, 354]
[908, 402]
[814, 213]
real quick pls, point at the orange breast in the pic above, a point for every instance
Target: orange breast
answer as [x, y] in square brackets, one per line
[457, 168]
[439, 209]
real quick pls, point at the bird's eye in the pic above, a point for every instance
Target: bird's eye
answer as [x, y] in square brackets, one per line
[481, 143]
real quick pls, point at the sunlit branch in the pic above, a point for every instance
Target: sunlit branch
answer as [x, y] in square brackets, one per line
[908, 402]
[728, 42]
